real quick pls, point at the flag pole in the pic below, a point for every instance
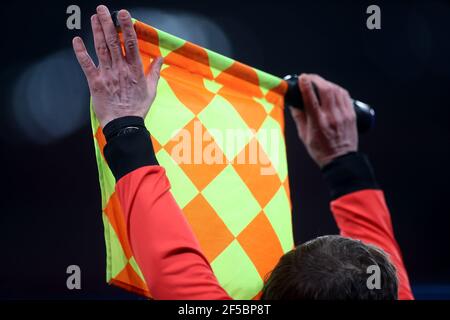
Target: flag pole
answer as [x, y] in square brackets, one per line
[365, 114]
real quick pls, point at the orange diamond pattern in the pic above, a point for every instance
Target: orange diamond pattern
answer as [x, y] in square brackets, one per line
[199, 172]
[250, 110]
[207, 225]
[261, 244]
[188, 88]
[114, 213]
[262, 186]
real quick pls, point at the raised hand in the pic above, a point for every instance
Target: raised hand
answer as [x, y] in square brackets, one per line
[327, 126]
[118, 85]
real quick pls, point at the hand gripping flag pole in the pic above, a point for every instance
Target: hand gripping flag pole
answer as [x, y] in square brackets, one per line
[365, 114]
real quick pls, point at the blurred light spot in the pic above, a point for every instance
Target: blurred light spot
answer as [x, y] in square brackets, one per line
[50, 99]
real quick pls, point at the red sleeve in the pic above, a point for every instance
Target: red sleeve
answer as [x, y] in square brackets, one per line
[364, 215]
[162, 241]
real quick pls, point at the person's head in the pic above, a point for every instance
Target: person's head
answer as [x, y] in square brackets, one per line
[331, 268]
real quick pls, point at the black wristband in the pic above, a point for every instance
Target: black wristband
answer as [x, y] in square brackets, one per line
[128, 146]
[349, 173]
[113, 128]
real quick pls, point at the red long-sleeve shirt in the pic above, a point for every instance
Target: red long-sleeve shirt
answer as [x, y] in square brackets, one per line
[166, 249]
[163, 244]
[364, 215]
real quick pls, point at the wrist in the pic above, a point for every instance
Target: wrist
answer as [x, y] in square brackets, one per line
[104, 122]
[349, 173]
[123, 125]
[325, 160]
[128, 145]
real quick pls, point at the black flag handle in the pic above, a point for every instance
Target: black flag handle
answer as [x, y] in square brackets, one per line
[365, 114]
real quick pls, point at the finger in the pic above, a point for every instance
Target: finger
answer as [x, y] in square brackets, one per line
[154, 74]
[104, 57]
[300, 119]
[346, 104]
[325, 90]
[298, 115]
[130, 39]
[312, 106]
[84, 59]
[329, 95]
[111, 37]
[332, 108]
[339, 101]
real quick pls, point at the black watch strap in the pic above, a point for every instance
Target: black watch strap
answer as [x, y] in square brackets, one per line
[128, 145]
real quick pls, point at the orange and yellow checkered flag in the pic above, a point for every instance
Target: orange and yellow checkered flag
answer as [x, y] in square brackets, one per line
[217, 128]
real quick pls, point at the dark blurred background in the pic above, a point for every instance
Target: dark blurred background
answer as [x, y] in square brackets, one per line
[50, 198]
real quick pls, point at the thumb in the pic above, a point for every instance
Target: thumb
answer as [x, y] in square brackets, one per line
[152, 77]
